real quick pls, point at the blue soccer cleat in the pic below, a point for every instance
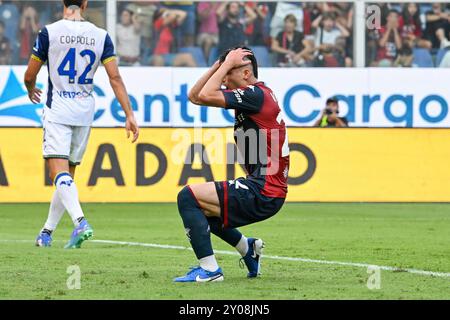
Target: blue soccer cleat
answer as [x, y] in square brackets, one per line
[253, 257]
[43, 240]
[198, 274]
[80, 234]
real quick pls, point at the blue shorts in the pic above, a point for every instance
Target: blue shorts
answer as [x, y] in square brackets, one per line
[241, 203]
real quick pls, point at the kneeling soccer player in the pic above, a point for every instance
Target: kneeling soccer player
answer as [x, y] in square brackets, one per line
[221, 207]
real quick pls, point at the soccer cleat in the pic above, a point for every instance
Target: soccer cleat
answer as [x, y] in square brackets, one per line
[43, 240]
[80, 234]
[253, 257]
[198, 274]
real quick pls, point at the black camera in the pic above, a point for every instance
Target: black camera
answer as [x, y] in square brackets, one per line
[329, 111]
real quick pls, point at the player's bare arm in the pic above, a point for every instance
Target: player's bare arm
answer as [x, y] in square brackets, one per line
[211, 93]
[120, 91]
[34, 66]
[198, 86]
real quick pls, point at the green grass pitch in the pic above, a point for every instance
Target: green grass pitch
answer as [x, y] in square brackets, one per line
[414, 236]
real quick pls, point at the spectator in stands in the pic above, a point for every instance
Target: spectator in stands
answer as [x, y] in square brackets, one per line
[185, 34]
[208, 30]
[344, 13]
[29, 28]
[410, 26]
[390, 40]
[96, 13]
[58, 11]
[255, 31]
[145, 12]
[328, 31]
[231, 26]
[290, 45]
[436, 19]
[165, 53]
[405, 55]
[330, 115]
[10, 16]
[129, 38]
[281, 11]
[443, 40]
[5, 46]
[310, 13]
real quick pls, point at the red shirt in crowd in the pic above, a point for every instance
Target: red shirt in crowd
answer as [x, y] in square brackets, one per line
[389, 51]
[409, 27]
[165, 37]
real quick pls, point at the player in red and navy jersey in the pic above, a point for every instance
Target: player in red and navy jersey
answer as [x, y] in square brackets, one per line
[261, 138]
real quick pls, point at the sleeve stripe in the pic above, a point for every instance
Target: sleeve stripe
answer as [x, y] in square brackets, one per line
[105, 61]
[35, 57]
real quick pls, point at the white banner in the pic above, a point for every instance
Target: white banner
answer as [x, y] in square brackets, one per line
[369, 97]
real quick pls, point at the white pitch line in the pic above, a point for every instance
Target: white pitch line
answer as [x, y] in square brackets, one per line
[329, 262]
[352, 264]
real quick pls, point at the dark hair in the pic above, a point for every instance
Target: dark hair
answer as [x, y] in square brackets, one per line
[2, 24]
[290, 17]
[332, 100]
[328, 15]
[407, 16]
[131, 12]
[251, 57]
[77, 3]
[392, 11]
[227, 7]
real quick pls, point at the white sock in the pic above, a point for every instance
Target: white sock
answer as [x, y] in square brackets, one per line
[209, 263]
[68, 193]
[242, 246]
[55, 212]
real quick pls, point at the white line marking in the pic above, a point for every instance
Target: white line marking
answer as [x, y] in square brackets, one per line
[329, 262]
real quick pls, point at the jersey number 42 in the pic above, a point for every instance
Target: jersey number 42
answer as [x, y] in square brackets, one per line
[67, 66]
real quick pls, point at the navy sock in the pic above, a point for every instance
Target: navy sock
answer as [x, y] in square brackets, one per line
[195, 223]
[47, 231]
[230, 236]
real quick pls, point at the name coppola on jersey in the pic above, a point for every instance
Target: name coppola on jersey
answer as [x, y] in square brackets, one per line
[77, 40]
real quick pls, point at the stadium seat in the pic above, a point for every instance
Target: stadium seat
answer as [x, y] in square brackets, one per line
[440, 55]
[422, 58]
[262, 55]
[213, 56]
[197, 53]
[396, 6]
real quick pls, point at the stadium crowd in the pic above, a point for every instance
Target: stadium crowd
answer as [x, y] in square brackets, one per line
[283, 34]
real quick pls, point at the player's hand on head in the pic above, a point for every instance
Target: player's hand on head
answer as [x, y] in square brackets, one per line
[236, 57]
[132, 126]
[35, 95]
